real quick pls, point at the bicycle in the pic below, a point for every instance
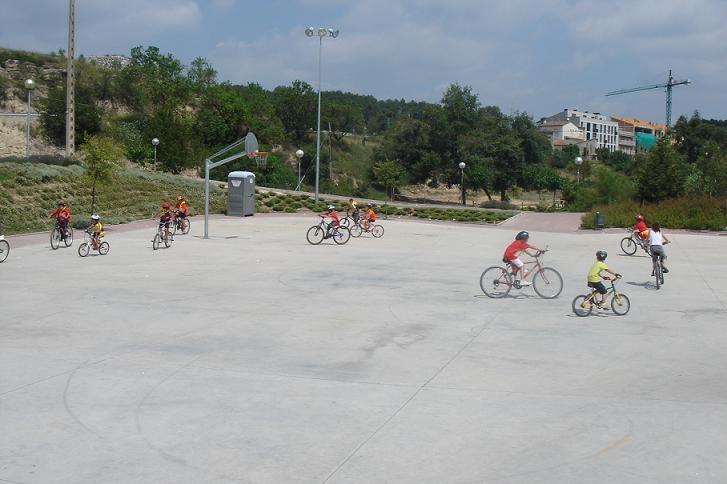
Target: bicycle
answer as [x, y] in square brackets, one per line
[181, 224]
[57, 235]
[317, 233]
[4, 248]
[657, 268]
[630, 244]
[374, 229]
[497, 281]
[583, 305]
[88, 243]
[162, 235]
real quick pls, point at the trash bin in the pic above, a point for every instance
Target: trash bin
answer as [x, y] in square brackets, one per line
[241, 193]
[600, 220]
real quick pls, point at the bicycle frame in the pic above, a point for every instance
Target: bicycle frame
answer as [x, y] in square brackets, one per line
[496, 281]
[584, 304]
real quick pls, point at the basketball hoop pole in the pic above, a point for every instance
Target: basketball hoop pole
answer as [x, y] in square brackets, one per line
[209, 164]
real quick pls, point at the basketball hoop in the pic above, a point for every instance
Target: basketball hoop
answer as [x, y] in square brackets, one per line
[261, 158]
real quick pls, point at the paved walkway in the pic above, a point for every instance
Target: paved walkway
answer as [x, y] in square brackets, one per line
[254, 357]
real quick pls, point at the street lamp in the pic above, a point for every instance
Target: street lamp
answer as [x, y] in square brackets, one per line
[578, 161]
[299, 154]
[320, 32]
[461, 180]
[155, 142]
[29, 85]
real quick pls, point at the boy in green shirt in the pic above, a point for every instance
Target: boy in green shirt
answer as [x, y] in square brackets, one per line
[594, 276]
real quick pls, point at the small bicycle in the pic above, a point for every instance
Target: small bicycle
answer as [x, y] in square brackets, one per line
[585, 303]
[58, 235]
[631, 243]
[162, 235]
[88, 243]
[317, 233]
[374, 229]
[496, 281]
[657, 268]
[181, 224]
[4, 248]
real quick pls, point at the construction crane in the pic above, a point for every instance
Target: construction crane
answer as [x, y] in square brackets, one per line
[669, 84]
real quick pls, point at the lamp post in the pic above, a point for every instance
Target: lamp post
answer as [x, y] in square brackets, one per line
[29, 85]
[299, 154]
[461, 180]
[578, 161]
[320, 32]
[155, 143]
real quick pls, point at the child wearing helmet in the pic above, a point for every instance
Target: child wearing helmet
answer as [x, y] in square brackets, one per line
[369, 217]
[95, 229]
[180, 208]
[640, 227]
[512, 253]
[594, 276]
[353, 210]
[63, 217]
[165, 216]
[335, 221]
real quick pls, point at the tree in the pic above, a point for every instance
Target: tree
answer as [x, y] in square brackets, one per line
[53, 117]
[296, 107]
[540, 177]
[390, 174]
[662, 174]
[102, 156]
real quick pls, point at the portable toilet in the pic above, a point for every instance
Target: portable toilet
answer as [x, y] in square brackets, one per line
[241, 193]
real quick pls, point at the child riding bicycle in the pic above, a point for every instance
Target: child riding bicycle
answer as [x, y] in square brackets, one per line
[594, 277]
[512, 252]
[180, 208]
[657, 240]
[335, 221]
[95, 230]
[63, 217]
[165, 216]
[369, 217]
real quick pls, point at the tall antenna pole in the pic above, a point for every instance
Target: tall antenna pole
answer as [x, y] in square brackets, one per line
[71, 81]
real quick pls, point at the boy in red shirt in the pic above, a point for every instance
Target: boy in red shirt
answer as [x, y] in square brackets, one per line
[62, 215]
[512, 252]
[640, 227]
[335, 221]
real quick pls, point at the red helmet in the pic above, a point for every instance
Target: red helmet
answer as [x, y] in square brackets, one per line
[165, 205]
[638, 216]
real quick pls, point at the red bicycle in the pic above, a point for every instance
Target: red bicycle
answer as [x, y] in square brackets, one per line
[497, 281]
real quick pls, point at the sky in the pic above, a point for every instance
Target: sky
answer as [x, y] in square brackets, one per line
[537, 57]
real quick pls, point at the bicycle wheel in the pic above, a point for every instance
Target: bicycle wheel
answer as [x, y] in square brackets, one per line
[173, 227]
[377, 231]
[315, 235]
[341, 235]
[495, 281]
[656, 270]
[156, 241]
[103, 249]
[628, 246]
[55, 238]
[620, 303]
[346, 222]
[4, 250]
[68, 239]
[356, 230]
[186, 225]
[547, 283]
[168, 240]
[84, 249]
[582, 305]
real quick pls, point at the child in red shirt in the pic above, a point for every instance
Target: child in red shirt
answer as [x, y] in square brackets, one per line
[335, 221]
[62, 215]
[512, 252]
[640, 227]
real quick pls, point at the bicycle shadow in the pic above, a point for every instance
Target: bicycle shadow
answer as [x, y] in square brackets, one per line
[646, 285]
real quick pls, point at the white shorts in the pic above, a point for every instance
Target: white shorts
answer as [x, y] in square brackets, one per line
[517, 262]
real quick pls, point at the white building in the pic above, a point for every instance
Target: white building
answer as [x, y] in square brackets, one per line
[595, 127]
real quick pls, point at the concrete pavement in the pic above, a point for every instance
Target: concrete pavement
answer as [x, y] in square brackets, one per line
[254, 357]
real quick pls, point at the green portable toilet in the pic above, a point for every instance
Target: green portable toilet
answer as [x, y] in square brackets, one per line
[241, 193]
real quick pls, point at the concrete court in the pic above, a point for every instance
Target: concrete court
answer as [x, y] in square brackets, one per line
[254, 357]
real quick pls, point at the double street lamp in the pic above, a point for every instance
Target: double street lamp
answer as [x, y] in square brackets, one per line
[461, 180]
[29, 85]
[320, 32]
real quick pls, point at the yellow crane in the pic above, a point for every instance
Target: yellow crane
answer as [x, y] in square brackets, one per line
[671, 82]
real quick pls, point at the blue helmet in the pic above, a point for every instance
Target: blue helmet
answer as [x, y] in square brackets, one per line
[522, 235]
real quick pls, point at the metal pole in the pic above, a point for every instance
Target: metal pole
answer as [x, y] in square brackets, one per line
[461, 183]
[318, 136]
[27, 129]
[155, 154]
[206, 194]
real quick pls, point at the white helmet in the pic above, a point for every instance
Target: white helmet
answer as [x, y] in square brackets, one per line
[95, 217]
[330, 207]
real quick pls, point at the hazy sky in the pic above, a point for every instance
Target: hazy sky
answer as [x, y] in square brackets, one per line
[539, 57]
